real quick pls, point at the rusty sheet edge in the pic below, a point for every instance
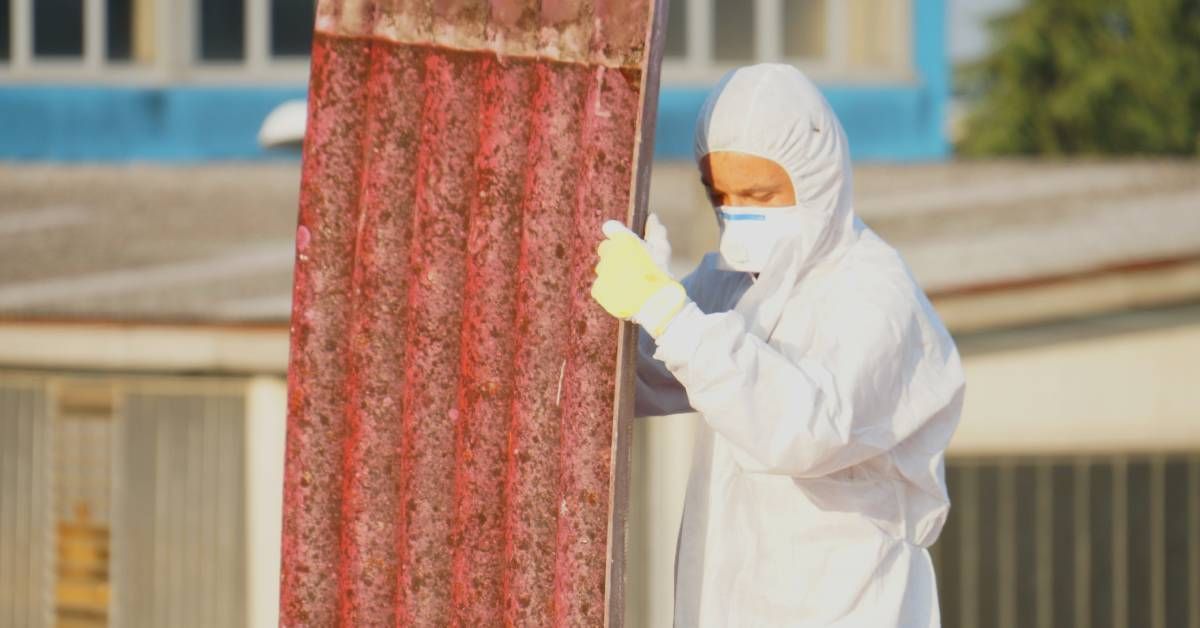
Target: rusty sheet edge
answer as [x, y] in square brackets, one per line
[623, 403]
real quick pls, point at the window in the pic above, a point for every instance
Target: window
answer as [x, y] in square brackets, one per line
[827, 38]
[222, 30]
[130, 30]
[82, 34]
[733, 30]
[5, 33]
[58, 28]
[120, 30]
[804, 32]
[292, 27]
[875, 41]
[677, 16]
[206, 40]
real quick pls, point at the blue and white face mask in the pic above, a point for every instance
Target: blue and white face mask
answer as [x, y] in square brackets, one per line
[749, 235]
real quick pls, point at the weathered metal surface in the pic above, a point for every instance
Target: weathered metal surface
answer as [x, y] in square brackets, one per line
[456, 447]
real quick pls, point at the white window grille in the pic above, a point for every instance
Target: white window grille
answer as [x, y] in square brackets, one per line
[831, 40]
[156, 41]
[268, 40]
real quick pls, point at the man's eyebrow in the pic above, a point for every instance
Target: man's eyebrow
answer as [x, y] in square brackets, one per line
[754, 188]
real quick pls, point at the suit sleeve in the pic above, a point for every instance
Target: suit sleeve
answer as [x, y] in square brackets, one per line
[858, 396]
[658, 393]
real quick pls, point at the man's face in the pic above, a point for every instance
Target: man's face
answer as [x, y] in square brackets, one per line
[741, 180]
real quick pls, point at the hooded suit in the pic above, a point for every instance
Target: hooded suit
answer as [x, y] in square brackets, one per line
[828, 388]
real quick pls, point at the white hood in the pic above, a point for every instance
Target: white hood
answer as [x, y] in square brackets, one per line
[773, 111]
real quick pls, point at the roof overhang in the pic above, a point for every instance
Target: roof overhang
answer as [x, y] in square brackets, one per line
[143, 347]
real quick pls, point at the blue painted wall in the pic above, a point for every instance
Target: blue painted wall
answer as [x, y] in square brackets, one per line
[77, 123]
[894, 122]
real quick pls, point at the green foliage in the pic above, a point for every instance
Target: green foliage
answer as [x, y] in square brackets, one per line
[1079, 77]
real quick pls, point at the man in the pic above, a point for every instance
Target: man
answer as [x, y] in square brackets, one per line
[828, 387]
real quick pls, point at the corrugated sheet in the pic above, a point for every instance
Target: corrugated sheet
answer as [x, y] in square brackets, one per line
[453, 389]
[179, 529]
[25, 533]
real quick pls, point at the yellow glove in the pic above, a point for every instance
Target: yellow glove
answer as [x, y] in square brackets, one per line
[630, 285]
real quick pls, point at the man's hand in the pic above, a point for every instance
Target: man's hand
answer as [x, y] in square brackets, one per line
[657, 242]
[631, 284]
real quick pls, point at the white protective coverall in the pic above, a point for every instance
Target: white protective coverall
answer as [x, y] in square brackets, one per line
[829, 390]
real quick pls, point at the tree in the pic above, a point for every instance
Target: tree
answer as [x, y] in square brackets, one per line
[1079, 77]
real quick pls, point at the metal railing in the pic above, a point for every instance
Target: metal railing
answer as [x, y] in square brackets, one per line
[179, 534]
[127, 512]
[1098, 541]
[25, 529]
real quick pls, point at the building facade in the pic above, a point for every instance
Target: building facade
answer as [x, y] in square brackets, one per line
[191, 80]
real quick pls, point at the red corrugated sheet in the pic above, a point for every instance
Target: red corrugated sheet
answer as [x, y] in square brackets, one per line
[456, 447]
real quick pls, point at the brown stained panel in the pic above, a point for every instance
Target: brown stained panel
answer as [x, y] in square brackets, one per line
[375, 359]
[485, 392]
[542, 327]
[329, 193]
[610, 121]
[454, 392]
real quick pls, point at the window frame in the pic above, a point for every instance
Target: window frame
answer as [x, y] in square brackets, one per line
[176, 50]
[697, 65]
[177, 55]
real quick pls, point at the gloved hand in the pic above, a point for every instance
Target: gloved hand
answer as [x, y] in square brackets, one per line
[657, 242]
[631, 284]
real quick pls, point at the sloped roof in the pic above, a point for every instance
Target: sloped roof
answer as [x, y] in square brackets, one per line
[179, 244]
[969, 225]
[213, 243]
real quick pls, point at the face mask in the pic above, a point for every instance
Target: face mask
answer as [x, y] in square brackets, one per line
[749, 235]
